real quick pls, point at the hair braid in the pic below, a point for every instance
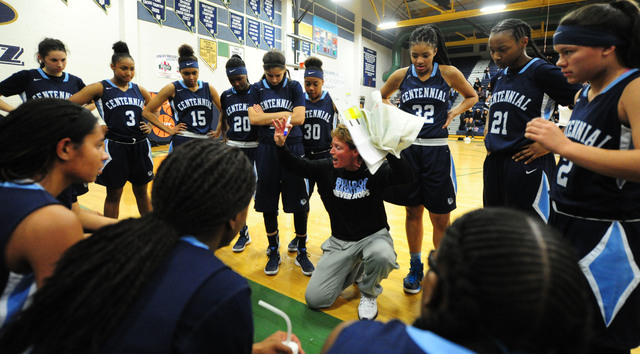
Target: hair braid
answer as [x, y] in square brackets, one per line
[432, 36]
[99, 279]
[494, 263]
[519, 29]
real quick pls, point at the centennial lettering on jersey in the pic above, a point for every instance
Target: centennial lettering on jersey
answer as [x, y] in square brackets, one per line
[275, 103]
[585, 133]
[52, 94]
[319, 114]
[124, 101]
[238, 107]
[424, 92]
[191, 102]
[349, 189]
[509, 96]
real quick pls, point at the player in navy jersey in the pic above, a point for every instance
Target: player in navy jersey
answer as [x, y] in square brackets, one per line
[192, 102]
[237, 128]
[320, 115]
[595, 190]
[516, 170]
[424, 91]
[120, 103]
[50, 81]
[273, 97]
[63, 145]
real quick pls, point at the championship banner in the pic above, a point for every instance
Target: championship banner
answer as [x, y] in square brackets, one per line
[103, 4]
[236, 24]
[269, 35]
[166, 117]
[209, 52]
[157, 8]
[369, 67]
[186, 11]
[254, 5]
[253, 31]
[269, 9]
[209, 18]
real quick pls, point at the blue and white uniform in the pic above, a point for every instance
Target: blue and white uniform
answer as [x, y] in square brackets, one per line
[600, 216]
[241, 133]
[518, 97]
[17, 201]
[272, 177]
[320, 118]
[195, 109]
[35, 83]
[392, 337]
[127, 146]
[435, 185]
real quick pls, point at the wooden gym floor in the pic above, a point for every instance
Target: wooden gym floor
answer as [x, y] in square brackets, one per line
[286, 289]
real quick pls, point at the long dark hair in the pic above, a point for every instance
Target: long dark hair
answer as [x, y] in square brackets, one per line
[30, 133]
[47, 45]
[621, 18]
[432, 36]
[200, 186]
[508, 281]
[519, 29]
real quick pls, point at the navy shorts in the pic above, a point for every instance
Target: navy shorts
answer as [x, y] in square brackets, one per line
[511, 184]
[315, 155]
[435, 185]
[608, 250]
[126, 162]
[274, 179]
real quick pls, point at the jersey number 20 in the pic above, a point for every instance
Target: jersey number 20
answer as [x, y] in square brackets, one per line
[241, 124]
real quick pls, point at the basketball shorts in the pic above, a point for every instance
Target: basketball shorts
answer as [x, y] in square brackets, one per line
[274, 179]
[126, 162]
[435, 185]
[608, 251]
[511, 184]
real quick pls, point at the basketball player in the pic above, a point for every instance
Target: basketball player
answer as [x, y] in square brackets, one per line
[595, 191]
[50, 81]
[273, 97]
[62, 145]
[238, 129]
[516, 170]
[120, 103]
[424, 91]
[320, 115]
[191, 102]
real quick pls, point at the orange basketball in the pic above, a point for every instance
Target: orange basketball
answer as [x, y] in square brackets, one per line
[166, 120]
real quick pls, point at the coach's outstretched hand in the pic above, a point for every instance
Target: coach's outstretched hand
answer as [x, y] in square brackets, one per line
[278, 136]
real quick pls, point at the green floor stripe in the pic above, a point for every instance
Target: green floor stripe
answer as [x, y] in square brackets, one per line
[311, 327]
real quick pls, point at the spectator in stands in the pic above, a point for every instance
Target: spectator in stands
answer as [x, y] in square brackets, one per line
[477, 84]
[487, 102]
[482, 94]
[487, 74]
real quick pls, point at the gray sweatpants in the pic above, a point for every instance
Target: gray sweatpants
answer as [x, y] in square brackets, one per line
[343, 261]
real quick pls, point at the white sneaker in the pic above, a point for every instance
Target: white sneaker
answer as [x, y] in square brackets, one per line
[368, 308]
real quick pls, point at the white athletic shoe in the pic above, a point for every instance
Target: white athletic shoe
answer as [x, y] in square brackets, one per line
[368, 308]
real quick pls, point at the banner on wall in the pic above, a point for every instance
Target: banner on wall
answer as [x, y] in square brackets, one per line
[209, 52]
[7, 14]
[209, 18]
[268, 9]
[325, 37]
[253, 31]
[166, 118]
[157, 8]
[236, 50]
[269, 35]
[186, 11]
[236, 24]
[167, 66]
[254, 5]
[103, 4]
[369, 67]
[10, 54]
